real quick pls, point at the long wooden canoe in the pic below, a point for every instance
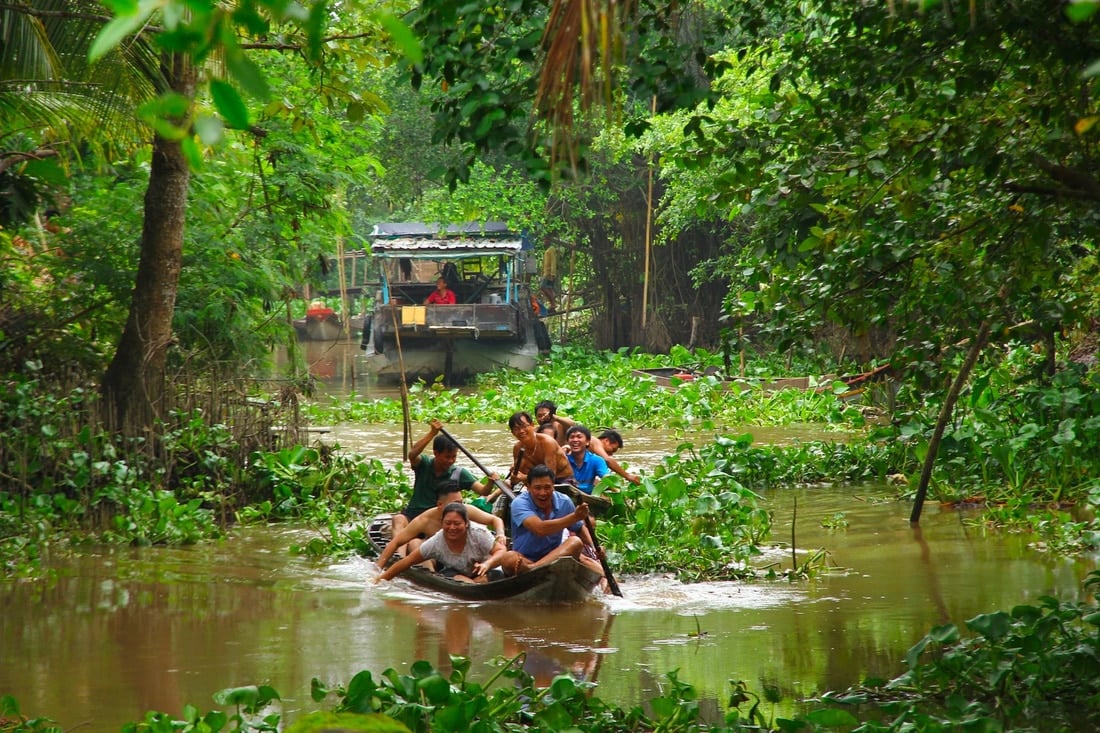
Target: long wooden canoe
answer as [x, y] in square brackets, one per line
[563, 581]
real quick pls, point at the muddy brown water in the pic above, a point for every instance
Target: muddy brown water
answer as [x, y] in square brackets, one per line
[112, 633]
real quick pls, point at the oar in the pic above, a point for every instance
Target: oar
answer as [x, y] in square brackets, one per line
[611, 583]
[499, 484]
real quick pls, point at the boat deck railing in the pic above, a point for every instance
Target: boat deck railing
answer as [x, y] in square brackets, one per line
[468, 320]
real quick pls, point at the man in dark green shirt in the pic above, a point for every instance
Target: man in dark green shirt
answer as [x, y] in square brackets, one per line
[435, 474]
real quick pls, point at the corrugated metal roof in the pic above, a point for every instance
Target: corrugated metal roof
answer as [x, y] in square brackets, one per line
[421, 230]
[429, 248]
[435, 241]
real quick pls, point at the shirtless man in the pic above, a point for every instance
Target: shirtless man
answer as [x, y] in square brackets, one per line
[532, 448]
[609, 442]
[546, 414]
[431, 521]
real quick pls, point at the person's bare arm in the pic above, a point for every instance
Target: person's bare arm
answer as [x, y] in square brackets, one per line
[546, 527]
[419, 446]
[596, 446]
[410, 531]
[500, 549]
[483, 517]
[485, 486]
[403, 564]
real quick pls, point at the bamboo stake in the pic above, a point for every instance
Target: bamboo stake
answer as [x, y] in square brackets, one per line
[648, 228]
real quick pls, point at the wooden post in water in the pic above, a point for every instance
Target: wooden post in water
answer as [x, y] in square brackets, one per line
[945, 415]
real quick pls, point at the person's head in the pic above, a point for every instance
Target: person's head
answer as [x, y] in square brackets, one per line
[445, 452]
[578, 437]
[549, 428]
[540, 484]
[455, 521]
[612, 441]
[545, 411]
[448, 495]
[520, 423]
[441, 283]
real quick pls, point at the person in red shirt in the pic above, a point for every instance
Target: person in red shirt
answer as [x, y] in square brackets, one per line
[442, 295]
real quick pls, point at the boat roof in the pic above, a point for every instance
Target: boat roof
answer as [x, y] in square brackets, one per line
[444, 241]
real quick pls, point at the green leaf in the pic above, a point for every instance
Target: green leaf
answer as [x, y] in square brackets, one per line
[116, 30]
[247, 695]
[229, 104]
[831, 718]
[993, 626]
[193, 153]
[405, 40]
[248, 75]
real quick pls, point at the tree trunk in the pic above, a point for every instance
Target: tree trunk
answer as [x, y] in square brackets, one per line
[133, 386]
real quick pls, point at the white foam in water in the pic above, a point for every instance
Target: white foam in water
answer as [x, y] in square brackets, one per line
[665, 591]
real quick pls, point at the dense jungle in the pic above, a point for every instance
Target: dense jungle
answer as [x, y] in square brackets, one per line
[903, 193]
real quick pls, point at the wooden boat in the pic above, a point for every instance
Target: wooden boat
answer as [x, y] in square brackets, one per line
[563, 581]
[321, 323]
[671, 378]
[598, 504]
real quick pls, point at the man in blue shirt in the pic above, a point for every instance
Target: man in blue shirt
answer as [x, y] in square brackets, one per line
[540, 517]
[588, 468]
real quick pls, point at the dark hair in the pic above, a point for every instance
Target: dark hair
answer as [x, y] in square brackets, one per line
[578, 428]
[613, 436]
[443, 444]
[540, 471]
[458, 508]
[548, 427]
[548, 405]
[519, 417]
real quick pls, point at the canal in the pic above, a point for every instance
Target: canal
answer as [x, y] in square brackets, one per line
[113, 632]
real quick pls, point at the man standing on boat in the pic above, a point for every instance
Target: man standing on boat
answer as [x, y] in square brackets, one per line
[442, 295]
[436, 474]
[540, 516]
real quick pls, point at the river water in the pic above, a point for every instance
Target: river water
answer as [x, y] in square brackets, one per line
[113, 632]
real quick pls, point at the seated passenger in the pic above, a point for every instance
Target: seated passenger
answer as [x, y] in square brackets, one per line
[431, 522]
[607, 445]
[442, 295]
[546, 412]
[459, 551]
[540, 516]
[588, 468]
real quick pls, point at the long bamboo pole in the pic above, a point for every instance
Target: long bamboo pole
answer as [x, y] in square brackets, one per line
[648, 228]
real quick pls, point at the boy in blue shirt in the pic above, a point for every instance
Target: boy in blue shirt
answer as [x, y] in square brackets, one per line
[588, 468]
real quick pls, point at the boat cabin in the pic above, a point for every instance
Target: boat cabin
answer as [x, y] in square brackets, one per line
[491, 322]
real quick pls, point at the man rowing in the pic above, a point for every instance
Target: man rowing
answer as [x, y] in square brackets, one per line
[540, 519]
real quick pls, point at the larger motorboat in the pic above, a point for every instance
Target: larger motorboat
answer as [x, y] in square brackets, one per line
[491, 324]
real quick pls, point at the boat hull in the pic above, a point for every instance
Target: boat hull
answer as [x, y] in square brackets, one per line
[563, 581]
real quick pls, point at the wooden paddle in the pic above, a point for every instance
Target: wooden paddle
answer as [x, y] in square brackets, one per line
[612, 585]
[505, 489]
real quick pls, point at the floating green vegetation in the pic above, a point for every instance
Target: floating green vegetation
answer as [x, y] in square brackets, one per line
[602, 389]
